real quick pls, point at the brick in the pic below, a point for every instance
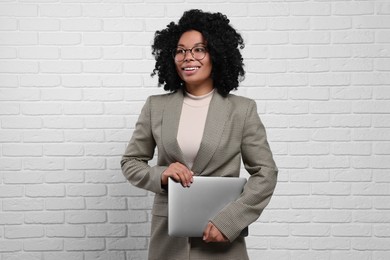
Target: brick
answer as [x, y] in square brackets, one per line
[53, 190]
[143, 10]
[358, 8]
[11, 191]
[126, 243]
[290, 23]
[84, 136]
[23, 177]
[21, 122]
[86, 190]
[41, 108]
[59, 38]
[44, 164]
[39, 24]
[331, 243]
[370, 243]
[125, 189]
[66, 231]
[103, 10]
[106, 203]
[316, 230]
[80, 53]
[22, 204]
[64, 255]
[8, 24]
[351, 175]
[7, 52]
[90, 244]
[105, 39]
[61, 66]
[66, 150]
[44, 217]
[351, 149]
[261, 9]
[64, 203]
[107, 230]
[350, 203]
[337, 189]
[63, 123]
[81, 25]
[36, 80]
[9, 109]
[43, 245]
[11, 246]
[19, 66]
[60, 10]
[330, 23]
[86, 163]
[295, 243]
[111, 255]
[125, 25]
[10, 218]
[128, 216]
[352, 37]
[20, 10]
[19, 39]
[18, 232]
[36, 53]
[85, 217]
[83, 108]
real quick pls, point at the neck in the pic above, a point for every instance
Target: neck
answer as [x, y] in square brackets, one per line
[199, 90]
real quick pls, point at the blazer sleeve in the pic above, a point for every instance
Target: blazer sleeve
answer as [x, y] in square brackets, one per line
[139, 151]
[258, 161]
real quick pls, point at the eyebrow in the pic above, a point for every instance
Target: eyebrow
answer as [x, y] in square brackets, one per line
[196, 44]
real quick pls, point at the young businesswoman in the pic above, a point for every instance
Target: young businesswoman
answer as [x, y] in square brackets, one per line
[200, 128]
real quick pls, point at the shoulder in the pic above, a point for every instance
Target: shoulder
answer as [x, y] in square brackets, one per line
[163, 98]
[241, 101]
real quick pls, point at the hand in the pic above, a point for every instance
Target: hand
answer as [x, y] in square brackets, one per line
[212, 234]
[179, 172]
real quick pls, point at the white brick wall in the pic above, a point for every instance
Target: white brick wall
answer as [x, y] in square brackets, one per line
[74, 76]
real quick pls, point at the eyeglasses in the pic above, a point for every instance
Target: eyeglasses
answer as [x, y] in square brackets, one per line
[197, 52]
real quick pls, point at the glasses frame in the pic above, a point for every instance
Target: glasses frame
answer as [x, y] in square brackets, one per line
[174, 53]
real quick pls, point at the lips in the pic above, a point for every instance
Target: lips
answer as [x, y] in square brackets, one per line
[190, 68]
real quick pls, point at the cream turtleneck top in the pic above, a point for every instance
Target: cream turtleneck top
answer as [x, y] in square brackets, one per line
[192, 123]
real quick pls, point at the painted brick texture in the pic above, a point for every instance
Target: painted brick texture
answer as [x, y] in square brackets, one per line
[74, 76]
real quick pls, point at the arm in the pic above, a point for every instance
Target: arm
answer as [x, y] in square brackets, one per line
[259, 163]
[139, 151]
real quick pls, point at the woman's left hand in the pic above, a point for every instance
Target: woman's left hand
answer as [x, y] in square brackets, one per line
[212, 234]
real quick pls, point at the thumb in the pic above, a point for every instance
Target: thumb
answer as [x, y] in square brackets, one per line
[206, 231]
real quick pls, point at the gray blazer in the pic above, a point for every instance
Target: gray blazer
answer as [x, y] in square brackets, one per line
[233, 132]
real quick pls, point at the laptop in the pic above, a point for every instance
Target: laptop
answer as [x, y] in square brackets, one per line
[190, 209]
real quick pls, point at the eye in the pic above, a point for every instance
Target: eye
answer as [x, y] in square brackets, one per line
[180, 51]
[199, 49]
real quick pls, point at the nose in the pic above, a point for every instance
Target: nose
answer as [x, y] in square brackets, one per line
[188, 52]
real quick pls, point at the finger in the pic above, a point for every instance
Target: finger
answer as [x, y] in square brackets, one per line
[206, 232]
[185, 175]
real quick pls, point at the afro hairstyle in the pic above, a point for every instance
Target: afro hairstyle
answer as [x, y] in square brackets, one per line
[223, 44]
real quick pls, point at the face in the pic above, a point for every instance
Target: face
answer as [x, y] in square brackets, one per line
[195, 72]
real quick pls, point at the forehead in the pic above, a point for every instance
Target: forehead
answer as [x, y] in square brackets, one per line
[191, 38]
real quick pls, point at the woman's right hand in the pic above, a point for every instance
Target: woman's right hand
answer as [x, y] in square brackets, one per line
[179, 172]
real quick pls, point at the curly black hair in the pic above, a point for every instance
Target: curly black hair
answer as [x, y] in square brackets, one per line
[223, 44]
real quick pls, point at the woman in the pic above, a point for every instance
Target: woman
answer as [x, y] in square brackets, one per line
[200, 129]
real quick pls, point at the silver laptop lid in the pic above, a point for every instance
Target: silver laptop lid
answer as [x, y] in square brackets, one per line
[190, 209]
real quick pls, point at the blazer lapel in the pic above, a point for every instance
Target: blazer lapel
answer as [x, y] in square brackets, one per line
[216, 118]
[170, 125]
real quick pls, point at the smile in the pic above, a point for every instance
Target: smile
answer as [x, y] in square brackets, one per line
[190, 68]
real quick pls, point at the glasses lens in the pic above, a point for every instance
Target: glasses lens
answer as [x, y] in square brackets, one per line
[197, 53]
[179, 54]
